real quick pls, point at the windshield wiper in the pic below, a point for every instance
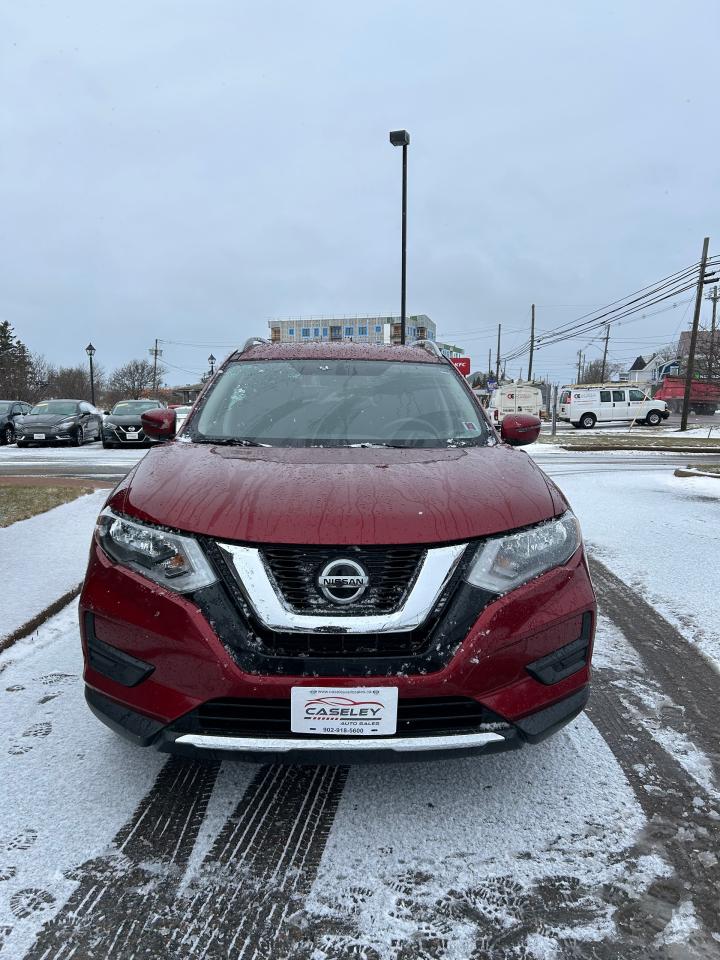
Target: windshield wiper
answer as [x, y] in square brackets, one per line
[231, 442]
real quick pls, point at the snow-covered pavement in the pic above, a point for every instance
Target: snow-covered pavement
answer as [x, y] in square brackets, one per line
[45, 557]
[600, 842]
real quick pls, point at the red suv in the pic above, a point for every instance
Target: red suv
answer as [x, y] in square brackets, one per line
[338, 558]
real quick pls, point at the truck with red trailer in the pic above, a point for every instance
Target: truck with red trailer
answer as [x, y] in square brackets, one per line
[704, 394]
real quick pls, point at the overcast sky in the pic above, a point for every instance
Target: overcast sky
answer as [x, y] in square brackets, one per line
[187, 170]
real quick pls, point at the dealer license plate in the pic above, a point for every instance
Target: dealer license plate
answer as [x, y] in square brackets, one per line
[344, 711]
[38, 436]
[132, 434]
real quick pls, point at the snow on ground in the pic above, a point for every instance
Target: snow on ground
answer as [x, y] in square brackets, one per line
[69, 784]
[92, 454]
[420, 852]
[44, 557]
[659, 533]
[416, 850]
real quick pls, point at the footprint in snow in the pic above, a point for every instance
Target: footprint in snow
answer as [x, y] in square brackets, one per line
[7, 873]
[22, 841]
[18, 749]
[14, 688]
[5, 665]
[48, 697]
[39, 729]
[50, 679]
[31, 900]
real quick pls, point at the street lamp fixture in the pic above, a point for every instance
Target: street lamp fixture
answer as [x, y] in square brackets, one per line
[401, 138]
[90, 351]
[212, 361]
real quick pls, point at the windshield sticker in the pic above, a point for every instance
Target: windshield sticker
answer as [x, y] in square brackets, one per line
[469, 425]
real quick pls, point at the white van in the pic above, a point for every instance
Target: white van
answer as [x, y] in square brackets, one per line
[584, 405]
[514, 398]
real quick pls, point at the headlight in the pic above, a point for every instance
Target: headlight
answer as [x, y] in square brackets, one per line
[506, 562]
[174, 561]
[65, 424]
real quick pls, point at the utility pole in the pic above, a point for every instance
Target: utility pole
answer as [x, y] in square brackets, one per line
[714, 296]
[579, 365]
[489, 361]
[532, 343]
[155, 353]
[693, 336]
[607, 338]
[497, 356]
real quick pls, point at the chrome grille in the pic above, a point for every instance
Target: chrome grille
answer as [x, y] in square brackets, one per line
[391, 571]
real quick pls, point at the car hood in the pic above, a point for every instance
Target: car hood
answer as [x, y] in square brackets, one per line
[45, 419]
[337, 496]
[124, 421]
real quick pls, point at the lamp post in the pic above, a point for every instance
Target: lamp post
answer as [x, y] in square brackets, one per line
[90, 351]
[212, 361]
[401, 138]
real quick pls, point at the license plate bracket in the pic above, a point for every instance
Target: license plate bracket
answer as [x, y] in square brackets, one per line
[344, 711]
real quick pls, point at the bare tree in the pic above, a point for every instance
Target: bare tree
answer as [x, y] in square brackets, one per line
[132, 381]
[593, 371]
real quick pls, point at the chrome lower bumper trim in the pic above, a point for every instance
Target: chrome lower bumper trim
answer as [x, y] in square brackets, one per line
[289, 744]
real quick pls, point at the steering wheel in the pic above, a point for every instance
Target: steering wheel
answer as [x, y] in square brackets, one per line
[425, 427]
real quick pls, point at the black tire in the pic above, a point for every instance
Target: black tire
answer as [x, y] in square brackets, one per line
[588, 421]
[8, 434]
[654, 418]
[22, 443]
[107, 445]
[79, 436]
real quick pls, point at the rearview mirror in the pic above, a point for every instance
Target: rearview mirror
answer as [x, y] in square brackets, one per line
[517, 429]
[159, 424]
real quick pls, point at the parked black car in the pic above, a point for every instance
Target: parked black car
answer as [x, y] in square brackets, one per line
[59, 421]
[10, 410]
[123, 424]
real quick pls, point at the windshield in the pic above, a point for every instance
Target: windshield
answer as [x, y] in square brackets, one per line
[63, 408]
[339, 403]
[127, 407]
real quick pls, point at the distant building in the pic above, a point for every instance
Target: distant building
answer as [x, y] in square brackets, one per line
[652, 370]
[704, 339]
[450, 350]
[358, 329]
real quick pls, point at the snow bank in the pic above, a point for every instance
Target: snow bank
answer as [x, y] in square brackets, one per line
[46, 557]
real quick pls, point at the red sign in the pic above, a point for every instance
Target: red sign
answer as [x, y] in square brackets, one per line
[462, 364]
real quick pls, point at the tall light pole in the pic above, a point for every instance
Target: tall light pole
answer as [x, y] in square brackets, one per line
[212, 361]
[401, 138]
[90, 351]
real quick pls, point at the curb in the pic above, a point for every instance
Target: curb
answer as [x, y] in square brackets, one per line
[683, 472]
[645, 448]
[37, 621]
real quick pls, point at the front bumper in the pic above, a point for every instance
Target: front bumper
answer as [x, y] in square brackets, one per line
[143, 731]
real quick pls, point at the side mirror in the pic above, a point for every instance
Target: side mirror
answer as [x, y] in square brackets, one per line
[106, 413]
[159, 424]
[517, 429]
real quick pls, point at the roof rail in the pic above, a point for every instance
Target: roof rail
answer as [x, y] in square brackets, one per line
[253, 342]
[430, 346]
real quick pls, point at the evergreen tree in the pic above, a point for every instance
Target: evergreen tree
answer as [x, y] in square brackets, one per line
[15, 364]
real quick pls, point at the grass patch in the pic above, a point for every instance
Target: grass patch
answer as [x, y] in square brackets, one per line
[22, 502]
[634, 441]
[713, 468]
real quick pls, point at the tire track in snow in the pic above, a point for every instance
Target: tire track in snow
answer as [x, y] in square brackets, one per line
[684, 674]
[261, 867]
[112, 912]
[682, 817]
[256, 876]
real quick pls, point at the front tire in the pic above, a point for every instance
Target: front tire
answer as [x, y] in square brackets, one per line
[654, 418]
[8, 435]
[588, 421]
[79, 436]
[22, 443]
[107, 445]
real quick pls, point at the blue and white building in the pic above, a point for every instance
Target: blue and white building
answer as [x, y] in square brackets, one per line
[359, 329]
